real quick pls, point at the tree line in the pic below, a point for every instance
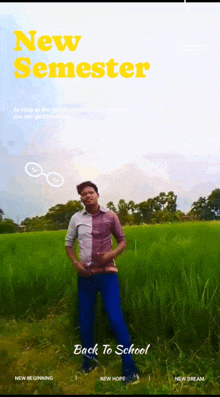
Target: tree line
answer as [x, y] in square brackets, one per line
[160, 209]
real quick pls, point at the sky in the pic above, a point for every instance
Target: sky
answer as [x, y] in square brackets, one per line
[133, 137]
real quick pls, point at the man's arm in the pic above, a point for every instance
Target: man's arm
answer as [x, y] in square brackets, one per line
[79, 267]
[71, 255]
[71, 236]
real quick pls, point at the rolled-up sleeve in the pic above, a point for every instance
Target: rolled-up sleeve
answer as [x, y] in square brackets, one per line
[71, 235]
[117, 230]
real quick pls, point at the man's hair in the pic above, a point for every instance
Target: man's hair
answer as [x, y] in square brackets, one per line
[82, 185]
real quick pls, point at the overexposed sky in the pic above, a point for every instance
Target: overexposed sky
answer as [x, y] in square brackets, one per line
[165, 127]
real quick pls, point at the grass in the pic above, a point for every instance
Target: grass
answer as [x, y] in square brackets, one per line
[45, 348]
[168, 280]
[169, 285]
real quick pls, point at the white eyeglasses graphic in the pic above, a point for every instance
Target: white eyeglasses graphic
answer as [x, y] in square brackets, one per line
[35, 170]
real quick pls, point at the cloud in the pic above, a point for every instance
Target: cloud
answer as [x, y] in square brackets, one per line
[188, 170]
[27, 196]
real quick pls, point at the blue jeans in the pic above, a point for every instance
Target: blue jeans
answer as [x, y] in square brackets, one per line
[108, 286]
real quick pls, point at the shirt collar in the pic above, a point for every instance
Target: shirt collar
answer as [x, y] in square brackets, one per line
[101, 209]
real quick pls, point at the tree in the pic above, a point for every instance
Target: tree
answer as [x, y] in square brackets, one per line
[156, 204]
[110, 206]
[1, 214]
[60, 214]
[8, 226]
[132, 206]
[207, 214]
[56, 218]
[213, 202]
[26, 221]
[171, 202]
[162, 199]
[215, 195]
[146, 209]
[198, 207]
[123, 211]
[207, 208]
[73, 206]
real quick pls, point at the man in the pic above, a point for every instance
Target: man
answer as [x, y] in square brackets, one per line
[97, 272]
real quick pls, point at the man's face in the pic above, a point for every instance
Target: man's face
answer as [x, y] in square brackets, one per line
[89, 196]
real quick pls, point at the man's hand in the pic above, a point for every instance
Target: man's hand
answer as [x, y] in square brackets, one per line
[82, 269]
[104, 257]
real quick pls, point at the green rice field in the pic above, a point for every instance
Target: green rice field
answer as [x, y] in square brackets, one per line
[169, 285]
[169, 279]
